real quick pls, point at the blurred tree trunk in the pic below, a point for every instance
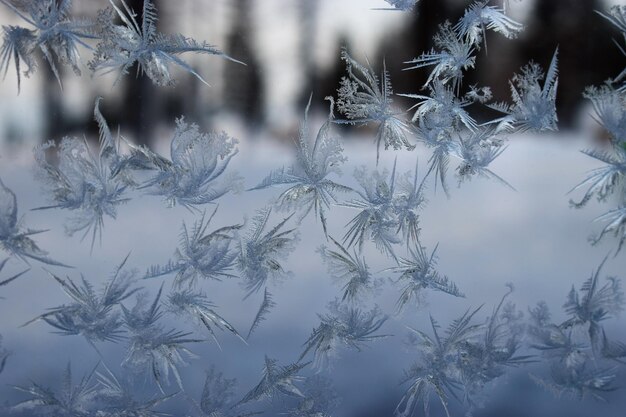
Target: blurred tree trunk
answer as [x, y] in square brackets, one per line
[243, 88]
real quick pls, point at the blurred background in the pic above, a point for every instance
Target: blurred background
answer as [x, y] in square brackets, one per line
[487, 234]
[291, 48]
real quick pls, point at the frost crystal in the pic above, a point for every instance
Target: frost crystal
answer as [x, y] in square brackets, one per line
[534, 106]
[199, 159]
[350, 270]
[13, 240]
[153, 350]
[260, 254]
[91, 314]
[53, 33]
[68, 400]
[364, 98]
[197, 306]
[388, 207]
[276, 380]
[200, 255]
[452, 56]
[479, 17]
[261, 314]
[309, 188]
[404, 5]
[12, 278]
[82, 182]
[121, 46]
[418, 273]
[347, 326]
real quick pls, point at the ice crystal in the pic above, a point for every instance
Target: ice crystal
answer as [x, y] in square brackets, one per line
[534, 106]
[477, 152]
[197, 306]
[121, 46]
[116, 398]
[276, 380]
[192, 177]
[349, 270]
[68, 400]
[309, 185]
[260, 253]
[418, 273]
[617, 17]
[54, 33]
[200, 255]
[12, 278]
[404, 5]
[266, 305]
[344, 326]
[388, 208]
[82, 182]
[452, 56]
[15, 240]
[479, 17]
[91, 314]
[364, 98]
[153, 350]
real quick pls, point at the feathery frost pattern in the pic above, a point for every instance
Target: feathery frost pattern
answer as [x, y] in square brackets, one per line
[154, 336]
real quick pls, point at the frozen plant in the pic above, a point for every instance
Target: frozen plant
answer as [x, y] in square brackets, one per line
[276, 380]
[350, 270]
[13, 239]
[260, 253]
[344, 326]
[91, 314]
[365, 98]
[121, 46]
[309, 187]
[82, 182]
[197, 306]
[479, 17]
[417, 274]
[200, 255]
[54, 33]
[534, 106]
[198, 160]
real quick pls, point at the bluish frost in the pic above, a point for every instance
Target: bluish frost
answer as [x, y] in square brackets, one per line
[476, 152]
[122, 46]
[266, 305]
[195, 175]
[152, 350]
[5, 281]
[452, 56]
[349, 270]
[365, 98]
[197, 306]
[344, 326]
[534, 106]
[389, 207]
[479, 17]
[53, 32]
[91, 314]
[277, 380]
[201, 255]
[309, 187]
[418, 273]
[14, 239]
[88, 185]
[260, 253]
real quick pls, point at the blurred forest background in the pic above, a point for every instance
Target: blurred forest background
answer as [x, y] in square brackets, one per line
[291, 48]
